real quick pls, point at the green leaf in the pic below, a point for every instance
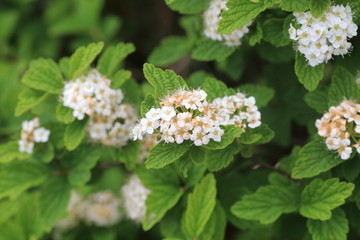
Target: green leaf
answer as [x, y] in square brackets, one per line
[215, 227]
[163, 81]
[165, 153]
[64, 65]
[165, 193]
[112, 57]
[45, 75]
[129, 154]
[272, 31]
[219, 159]
[83, 57]
[197, 154]
[318, 7]
[188, 6]
[336, 227]
[74, 134]
[342, 86]
[120, 78]
[210, 50]
[267, 204]
[262, 94]
[351, 169]
[64, 114]
[197, 79]
[178, 46]
[308, 76]
[215, 88]
[256, 35]
[320, 197]
[148, 103]
[16, 177]
[44, 152]
[7, 208]
[240, 13]
[200, 205]
[318, 99]
[294, 5]
[314, 158]
[29, 98]
[10, 151]
[260, 135]
[54, 198]
[230, 133]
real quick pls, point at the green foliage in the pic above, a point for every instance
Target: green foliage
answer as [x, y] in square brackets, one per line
[64, 114]
[294, 5]
[230, 133]
[308, 76]
[207, 50]
[188, 6]
[29, 98]
[10, 151]
[74, 134]
[272, 28]
[320, 197]
[215, 88]
[318, 7]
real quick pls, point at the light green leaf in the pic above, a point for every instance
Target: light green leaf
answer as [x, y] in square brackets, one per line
[83, 57]
[308, 76]
[267, 204]
[10, 151]
[294, 5]
[177, 46]
[120, 78]
[45, 75]
[197, 79]
[54, 198]
[148, 103]
[165, 153]
[197, 154]
[64, 65]
[188, 6]
[74, 134]
[200, 205]
[230, 133]
[318, 7]
[240, 13]
[16, 177]
[64, 114]
[342, 86]
[219, 159]
[272, 31]
[336, 227]
[318, 99]
[112, 57]
[320, 197]
[215, 88]
[215, 227]
[29, 98]
[260, 135]
[7, 208]
[262, 94]
[164, 82]
[129, 155]
[210, 50]
[314, 158]
[44, 152]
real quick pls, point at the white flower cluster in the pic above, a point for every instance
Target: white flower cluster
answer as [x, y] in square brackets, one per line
[340, 127]
[211, 23]
[187, 115]
[32, 132]
[134, 195]
[320, 38]
[110, 120]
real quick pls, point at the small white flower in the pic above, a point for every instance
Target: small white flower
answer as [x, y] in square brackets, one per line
[153, 114]
[41, 135]
[167, 113]
[26, 146]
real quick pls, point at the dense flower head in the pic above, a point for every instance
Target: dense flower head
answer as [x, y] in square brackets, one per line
[320, 38]
[340, 127]
[32, 132]
[134, 195]
[211, 23]
[187, 115]
[109, 118]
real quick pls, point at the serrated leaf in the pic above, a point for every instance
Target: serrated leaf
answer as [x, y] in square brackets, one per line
[197, 154]
[54, 198]
[178, 46]
[320, 197]
[10, 151]
[210, 50]
[318, 7]
[294, 5]
[260, 135]
[188, 6]
[64, 65]
[83, 57]
[272, 32]
[112, 57]
[262, 94]
[120, 78]
[215, 227]
[29, 98]
[314, 158]
[219, 159]
[45, 75]
[318, 99]
[165, 153]
[74, 134]
[64, 114]
[148, 103]
[342, 86]
[336, 227]
[200, 205]
[351, 169]
[215, 88]
[163, 81]
[16, 177]
[267, 204]
[240, 13]
[308, 76]
[197, 79]
[230, 133]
